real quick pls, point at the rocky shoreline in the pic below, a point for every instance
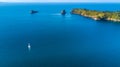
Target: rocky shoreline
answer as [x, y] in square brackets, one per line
[98, 15]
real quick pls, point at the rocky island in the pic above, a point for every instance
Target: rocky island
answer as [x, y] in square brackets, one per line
[33, 12]
[63, 12]
[98, 15]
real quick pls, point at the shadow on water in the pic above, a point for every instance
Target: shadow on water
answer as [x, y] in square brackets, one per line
[105, 21]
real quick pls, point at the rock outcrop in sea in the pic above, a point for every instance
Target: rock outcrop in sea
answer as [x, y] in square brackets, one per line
[63, 12]
[33, 12]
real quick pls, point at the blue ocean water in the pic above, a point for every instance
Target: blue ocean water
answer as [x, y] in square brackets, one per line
[56, 40]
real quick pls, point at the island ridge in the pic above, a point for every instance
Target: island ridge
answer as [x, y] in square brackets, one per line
[98, 15]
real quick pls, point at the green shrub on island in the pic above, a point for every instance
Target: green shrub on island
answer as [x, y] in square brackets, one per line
[98, 15]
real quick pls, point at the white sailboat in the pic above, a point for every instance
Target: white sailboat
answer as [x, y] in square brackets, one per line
[29, 46]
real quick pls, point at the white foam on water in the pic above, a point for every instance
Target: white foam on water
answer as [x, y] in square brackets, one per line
[68, 16]
[58, 14]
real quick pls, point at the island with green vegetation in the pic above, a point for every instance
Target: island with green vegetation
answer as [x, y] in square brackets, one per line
[98, 15]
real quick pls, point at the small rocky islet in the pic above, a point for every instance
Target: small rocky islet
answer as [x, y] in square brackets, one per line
[33, 11]
[98, 15]
[63, 12]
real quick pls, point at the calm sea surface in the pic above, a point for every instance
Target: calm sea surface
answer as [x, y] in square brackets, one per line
[57, 41]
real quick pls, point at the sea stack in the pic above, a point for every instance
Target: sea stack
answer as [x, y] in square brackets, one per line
[33, 12]
[63, 12]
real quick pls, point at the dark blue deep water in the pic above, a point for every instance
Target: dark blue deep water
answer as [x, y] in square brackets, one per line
[57, 41]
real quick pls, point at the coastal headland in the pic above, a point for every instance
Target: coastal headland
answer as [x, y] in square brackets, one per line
[98, 15]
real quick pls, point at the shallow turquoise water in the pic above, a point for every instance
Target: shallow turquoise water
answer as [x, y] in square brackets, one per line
[57, 41]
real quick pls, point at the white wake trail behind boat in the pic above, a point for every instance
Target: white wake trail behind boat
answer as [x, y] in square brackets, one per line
[56, 14]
